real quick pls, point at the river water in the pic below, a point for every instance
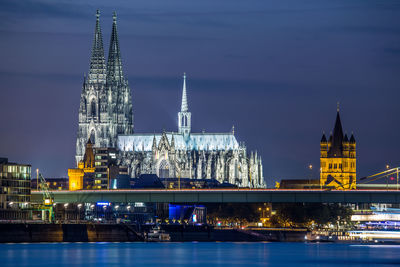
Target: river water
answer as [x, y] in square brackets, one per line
[197, 254]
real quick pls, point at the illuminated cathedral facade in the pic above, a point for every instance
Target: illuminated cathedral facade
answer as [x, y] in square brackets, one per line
[105, 117]
[105, 109]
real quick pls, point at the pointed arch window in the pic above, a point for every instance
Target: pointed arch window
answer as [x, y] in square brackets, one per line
[93, 137]
[93, 108]
[183, 123]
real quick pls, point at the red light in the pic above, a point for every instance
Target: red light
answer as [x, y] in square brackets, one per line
[392, 178]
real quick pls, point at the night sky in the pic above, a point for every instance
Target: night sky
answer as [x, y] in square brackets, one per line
[273, 69]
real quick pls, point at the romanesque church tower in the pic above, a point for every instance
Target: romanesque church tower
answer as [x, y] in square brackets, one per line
[106, 104]
[338, 159]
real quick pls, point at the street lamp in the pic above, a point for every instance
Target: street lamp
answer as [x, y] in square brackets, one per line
[309, 179]
[37, 179]
[387, 177]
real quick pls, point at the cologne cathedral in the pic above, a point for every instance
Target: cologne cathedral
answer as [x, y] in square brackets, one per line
[105, 118]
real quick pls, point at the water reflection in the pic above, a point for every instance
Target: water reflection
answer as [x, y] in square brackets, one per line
[196, 254]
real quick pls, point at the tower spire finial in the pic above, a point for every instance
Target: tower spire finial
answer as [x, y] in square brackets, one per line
[184, 106]
[338, 106]
[98, 14]
[115, 17]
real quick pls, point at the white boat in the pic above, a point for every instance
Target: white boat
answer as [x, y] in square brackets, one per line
[158, 235]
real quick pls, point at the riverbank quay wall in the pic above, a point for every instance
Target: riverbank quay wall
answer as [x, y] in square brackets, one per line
[34, 232]
[224, 196]
[205, 233]
[31, 233]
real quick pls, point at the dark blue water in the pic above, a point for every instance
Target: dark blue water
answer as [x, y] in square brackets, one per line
[197, 254]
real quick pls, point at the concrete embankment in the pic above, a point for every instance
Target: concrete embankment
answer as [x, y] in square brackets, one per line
[16, 233]
[182, 233]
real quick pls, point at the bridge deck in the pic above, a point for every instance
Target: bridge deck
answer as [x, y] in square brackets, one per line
[224, 196]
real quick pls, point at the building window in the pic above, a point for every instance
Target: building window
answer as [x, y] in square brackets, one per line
[335, 166]
[340, 165]
[330, 165]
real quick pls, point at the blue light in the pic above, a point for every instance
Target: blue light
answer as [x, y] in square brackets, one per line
[103, 203]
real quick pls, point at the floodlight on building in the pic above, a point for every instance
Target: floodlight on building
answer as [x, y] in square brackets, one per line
[66, 205]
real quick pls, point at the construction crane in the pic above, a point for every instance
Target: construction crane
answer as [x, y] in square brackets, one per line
[48, 199]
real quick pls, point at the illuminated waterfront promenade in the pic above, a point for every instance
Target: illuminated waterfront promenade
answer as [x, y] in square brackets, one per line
[224, 196]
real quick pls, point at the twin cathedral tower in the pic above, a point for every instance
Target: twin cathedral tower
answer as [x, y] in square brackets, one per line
[106, 119]
[105, 110]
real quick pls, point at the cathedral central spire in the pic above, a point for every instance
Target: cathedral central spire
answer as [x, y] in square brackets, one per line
[184, 116]
[114, 64]
[97, 71]
[184, 106]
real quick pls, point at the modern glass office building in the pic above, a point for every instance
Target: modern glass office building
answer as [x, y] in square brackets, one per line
[15, 185]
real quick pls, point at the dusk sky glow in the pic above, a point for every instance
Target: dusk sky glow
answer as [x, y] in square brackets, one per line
[273, 69]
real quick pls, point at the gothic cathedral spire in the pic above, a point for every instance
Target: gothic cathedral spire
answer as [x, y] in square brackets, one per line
[184, 116]
[114, 63]
[97, 70]
[184, 105]
[118, 86]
